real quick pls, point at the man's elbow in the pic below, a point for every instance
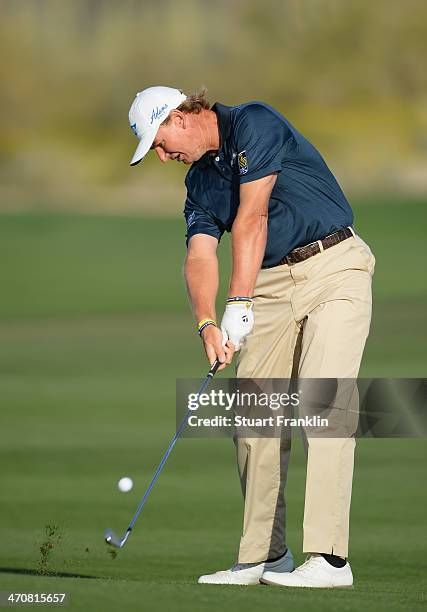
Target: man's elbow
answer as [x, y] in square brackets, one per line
[194, 259]
[254, 221]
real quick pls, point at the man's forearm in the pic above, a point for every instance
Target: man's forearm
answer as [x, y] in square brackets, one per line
[249, 234]
[249, 238]
[201, 277]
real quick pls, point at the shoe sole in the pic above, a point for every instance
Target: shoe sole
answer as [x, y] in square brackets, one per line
[230, 583]
[293, 586]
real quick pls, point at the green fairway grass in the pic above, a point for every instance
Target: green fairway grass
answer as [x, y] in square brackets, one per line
[94, 330]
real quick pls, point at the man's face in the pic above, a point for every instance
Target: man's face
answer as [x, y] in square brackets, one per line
[179, 139]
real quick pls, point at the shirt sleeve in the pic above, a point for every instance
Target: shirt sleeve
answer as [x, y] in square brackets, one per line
[259, 136]
[200, 221]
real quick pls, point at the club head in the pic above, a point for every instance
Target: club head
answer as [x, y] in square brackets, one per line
[112, 539]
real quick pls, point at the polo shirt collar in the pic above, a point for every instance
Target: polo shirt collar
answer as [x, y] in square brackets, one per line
[223, 114]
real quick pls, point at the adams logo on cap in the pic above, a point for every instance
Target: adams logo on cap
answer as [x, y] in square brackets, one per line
[157, 112]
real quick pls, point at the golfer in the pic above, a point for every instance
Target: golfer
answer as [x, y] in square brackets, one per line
[299, 302]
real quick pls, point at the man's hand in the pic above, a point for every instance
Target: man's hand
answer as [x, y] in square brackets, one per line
[212, 339]
[237, 322]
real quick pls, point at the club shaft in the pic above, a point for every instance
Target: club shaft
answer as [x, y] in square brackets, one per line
[168, 451]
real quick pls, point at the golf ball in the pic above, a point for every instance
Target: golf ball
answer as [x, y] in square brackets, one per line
[125, 484]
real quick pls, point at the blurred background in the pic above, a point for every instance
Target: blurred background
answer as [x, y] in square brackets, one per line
[351, 75]
[94, 321]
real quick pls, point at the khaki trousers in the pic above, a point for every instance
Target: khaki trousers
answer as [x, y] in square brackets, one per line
[311, 318]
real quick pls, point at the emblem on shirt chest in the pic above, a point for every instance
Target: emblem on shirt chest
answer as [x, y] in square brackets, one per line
[242, 161]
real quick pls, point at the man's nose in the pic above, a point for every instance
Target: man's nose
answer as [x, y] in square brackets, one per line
[163, 156]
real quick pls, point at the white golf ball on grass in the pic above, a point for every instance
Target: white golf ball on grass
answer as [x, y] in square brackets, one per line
[125, 484]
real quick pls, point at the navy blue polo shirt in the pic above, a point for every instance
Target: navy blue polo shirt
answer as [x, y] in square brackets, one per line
[306, 203]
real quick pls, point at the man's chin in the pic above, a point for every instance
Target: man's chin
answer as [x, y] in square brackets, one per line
[195, 157]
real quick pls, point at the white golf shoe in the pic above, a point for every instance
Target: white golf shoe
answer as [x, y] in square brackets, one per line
[315, 573]
[249, 573]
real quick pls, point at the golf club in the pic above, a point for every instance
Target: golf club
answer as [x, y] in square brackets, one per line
[110, 537]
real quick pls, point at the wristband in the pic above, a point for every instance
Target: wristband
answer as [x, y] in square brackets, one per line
[238, 299]
[204, 323]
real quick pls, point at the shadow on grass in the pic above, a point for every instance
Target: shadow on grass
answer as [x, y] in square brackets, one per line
[33, 572]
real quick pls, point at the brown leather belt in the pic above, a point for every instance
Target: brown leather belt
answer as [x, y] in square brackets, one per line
[303, 253]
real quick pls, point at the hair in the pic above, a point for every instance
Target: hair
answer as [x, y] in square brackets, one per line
[194, 103]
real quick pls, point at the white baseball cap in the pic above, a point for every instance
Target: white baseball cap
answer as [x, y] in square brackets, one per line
[149, 109]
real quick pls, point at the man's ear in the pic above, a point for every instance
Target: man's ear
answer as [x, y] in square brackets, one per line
[178, 118]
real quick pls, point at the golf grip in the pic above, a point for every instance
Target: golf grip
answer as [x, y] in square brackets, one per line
[178, 432]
